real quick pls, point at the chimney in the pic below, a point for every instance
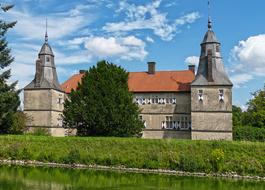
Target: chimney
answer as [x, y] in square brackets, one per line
[192, 68]
[82, 71]
[38, 72]
[209, 66]
[151, 67]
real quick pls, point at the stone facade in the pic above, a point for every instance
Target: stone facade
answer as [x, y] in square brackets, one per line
[165, 115]
[44, 109]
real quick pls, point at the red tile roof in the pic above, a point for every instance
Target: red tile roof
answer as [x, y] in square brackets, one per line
[71, 83]
[161, 81]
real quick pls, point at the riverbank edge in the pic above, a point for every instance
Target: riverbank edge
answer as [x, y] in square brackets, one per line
[31, 163]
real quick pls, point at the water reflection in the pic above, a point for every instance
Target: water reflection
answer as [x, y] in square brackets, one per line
[28, 178]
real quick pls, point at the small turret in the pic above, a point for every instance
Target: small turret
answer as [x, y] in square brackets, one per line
[46, 75]
[211, 69]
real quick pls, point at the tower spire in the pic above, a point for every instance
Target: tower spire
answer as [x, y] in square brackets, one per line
[46, 34]
[209, 16]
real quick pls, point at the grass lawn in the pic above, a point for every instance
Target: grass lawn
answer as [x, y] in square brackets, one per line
[244, 158]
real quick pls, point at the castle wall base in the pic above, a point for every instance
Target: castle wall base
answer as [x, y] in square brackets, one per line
[53, 131]
[161, 134]
[195, 135]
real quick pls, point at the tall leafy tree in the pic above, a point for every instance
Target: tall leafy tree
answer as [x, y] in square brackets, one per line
[9, 99]
[255, 115]
[102, 104]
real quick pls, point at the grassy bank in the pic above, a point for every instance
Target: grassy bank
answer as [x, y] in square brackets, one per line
[244, 158]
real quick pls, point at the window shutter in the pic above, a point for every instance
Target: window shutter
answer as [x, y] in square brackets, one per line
[163, 124]
[174, 124]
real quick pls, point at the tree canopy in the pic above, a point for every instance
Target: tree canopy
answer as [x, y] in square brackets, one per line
[255, 114]
[102, 104]
[9, 99]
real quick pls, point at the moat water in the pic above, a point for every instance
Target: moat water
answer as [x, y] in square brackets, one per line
[29, 178]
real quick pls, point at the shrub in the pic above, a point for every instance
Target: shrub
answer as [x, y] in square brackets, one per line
[217, 157]
[247, 133]
[18, 124]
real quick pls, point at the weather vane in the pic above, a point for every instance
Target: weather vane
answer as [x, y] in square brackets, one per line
[209, 16]
[46, 34]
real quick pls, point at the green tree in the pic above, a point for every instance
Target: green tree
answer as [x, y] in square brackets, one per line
[9, 99]
[237, 116]
[102, 104]
[255, 115]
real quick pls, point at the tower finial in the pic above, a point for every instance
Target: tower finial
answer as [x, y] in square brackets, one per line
[46, 34]
[209, 16]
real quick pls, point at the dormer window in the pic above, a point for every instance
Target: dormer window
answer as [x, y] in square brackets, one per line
[200, 95]
[221, 95]
[218, 48]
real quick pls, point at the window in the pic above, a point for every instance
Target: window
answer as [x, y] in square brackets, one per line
[200, 95]
[149, 101]
[221, 95]
[169, 122]
[155, 100]
[60, 121]
[174, 124]
[217, 48]
[143, 101]
[174, 100]
[60, 101]
[161, 101]
[178, 124]
[189, 125]
[168, 100]
[183, 123]
[48, 59]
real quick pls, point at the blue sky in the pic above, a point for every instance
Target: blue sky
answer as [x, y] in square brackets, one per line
[131, 32]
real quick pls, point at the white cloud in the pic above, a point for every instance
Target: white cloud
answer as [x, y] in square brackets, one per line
[149, 39]
[132, 41]
[192, 60]
[32, 26]
[102, 46]
[250, 55]
[248, 58]
[243, 107]
[128, 47]
[148, 17]
[73, 58]
[240, 79]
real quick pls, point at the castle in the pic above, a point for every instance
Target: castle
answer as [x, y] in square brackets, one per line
[173, 104]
